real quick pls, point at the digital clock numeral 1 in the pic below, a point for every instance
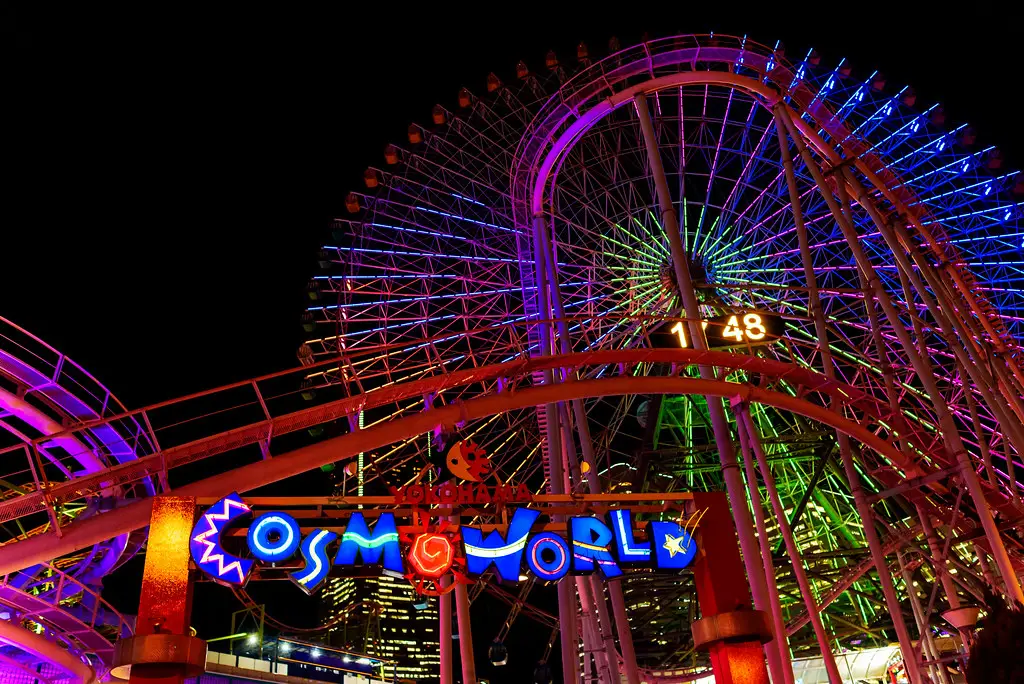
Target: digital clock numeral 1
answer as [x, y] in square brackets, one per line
[680, 330]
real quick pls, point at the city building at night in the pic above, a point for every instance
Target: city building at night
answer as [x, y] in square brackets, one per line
[405, 630]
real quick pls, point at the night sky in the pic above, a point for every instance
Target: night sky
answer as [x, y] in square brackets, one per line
[168, 175]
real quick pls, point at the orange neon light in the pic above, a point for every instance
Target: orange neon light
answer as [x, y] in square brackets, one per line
[431, 554]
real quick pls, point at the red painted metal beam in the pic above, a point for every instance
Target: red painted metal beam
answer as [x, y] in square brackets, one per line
[133, 516]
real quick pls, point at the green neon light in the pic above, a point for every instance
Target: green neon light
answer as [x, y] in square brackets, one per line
[714, 224]
[365, 543]
[686, 229]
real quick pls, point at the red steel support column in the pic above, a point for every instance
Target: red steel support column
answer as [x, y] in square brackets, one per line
[465, 633]
[590, 590]
[938, 671]
[592, 644]
[609, 658]
[628, 653]
[951, 435]
[722, 589]
[556, 484]
[986, 569]
[446, 633]
[163, 651]
[743, 418]
[781, 640]
[936, 554]
[782, 121]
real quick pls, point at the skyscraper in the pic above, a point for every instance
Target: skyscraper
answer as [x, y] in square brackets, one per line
[406, 631]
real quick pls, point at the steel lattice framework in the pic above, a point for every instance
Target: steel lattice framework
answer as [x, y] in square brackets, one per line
[554, 167]
[512, 275]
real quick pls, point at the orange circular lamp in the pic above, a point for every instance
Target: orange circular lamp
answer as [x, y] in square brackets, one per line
[431, 554]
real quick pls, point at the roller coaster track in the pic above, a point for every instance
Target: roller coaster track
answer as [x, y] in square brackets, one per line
[504, 387]
[70, 612]
[513, 373]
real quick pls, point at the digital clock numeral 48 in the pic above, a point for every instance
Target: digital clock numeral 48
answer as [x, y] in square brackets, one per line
[751, 328]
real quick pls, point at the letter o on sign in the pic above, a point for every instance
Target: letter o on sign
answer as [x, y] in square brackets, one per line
[448, 493]
[547, 554]
[431, 554]
[415, 494]
[273, 537]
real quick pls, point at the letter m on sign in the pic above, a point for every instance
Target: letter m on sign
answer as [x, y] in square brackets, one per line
[382, 543]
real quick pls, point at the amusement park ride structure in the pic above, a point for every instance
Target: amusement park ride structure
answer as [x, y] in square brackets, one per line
[691, 265]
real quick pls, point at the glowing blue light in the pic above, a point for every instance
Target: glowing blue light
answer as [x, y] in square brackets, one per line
[548, 570]
[205, 547]
[382, 543]
[465, 218]
[284, 527]
[628, 550]
[673, 546]
[467, 199]
[506, 553]
[590, 539]
[318, 564]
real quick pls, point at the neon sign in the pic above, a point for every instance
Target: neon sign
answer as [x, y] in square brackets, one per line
[592, 544]
[273, 537]
[465, 493]
[505, 554]
[205, 542]
[431, 555]
[467, 461]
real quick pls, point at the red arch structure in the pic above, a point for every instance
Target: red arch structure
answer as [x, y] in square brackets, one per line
[807, 394]
[768, 382]
[806, 385]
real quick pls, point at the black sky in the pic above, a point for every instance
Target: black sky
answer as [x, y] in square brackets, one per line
[169, 173]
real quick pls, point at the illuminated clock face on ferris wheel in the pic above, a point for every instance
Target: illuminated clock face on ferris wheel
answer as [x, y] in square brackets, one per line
[435, 269]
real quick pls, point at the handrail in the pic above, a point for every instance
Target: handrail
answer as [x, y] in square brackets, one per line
[796, 385]
[161, 462]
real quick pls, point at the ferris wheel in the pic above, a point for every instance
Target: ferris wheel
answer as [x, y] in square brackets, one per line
[825, 221]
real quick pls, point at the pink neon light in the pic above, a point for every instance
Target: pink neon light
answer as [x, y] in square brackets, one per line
[210, 547]
[536, 560]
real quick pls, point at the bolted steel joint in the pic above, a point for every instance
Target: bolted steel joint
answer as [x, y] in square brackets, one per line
[736, 625]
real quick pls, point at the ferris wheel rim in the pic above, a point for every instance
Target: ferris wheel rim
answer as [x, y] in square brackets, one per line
[532, 174]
